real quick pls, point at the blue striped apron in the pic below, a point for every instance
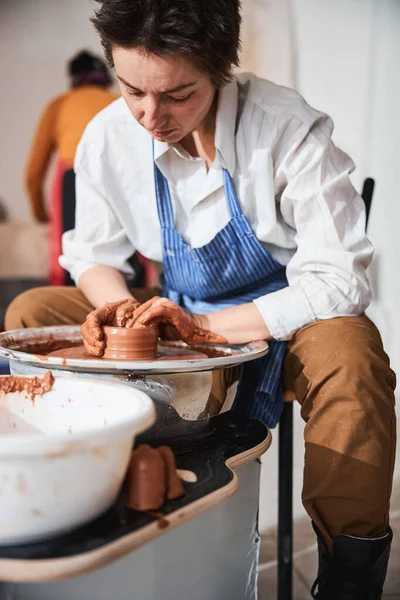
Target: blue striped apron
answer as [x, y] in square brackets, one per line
[233, 268]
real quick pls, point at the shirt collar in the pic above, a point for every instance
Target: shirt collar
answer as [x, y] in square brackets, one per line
[160, 148]
[225, 126]
[224, 130]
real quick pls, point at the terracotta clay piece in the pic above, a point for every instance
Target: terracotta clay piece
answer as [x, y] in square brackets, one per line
[152, 478]
[31, 386]
[147, 483]
[124, 343]
[175, 487]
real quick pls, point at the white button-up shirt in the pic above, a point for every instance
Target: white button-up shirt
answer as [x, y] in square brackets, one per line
[292, 183]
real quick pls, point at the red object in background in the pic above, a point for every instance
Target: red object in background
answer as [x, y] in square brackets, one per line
[150, 272]
[57, 275]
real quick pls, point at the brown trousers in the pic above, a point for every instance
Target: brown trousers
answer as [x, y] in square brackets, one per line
[342, 379]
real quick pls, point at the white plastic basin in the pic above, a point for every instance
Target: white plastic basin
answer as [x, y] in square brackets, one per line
[64, 456]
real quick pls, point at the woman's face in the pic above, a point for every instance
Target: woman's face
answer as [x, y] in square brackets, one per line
[167, 95]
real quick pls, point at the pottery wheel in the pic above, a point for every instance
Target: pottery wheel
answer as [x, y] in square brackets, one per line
[61, 348]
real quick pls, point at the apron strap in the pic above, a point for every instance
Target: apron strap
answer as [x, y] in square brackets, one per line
[233, 203]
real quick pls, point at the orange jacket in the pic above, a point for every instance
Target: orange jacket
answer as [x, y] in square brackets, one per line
[59, 129]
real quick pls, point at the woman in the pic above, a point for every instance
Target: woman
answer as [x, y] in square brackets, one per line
[235, 186]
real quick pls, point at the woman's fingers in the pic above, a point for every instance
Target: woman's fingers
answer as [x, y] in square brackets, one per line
[91, 331]
[167, 313]
[106, 314]
[142, 308]
[161, 307]
[103, 315]
[124, 313]
[141, 315]
[97, 351]
[90, 335]
[181, 324]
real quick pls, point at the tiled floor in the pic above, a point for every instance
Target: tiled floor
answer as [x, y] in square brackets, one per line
[305, 559]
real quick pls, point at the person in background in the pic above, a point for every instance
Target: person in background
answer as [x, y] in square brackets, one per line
[59, 131]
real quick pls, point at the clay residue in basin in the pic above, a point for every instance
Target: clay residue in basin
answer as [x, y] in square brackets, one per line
[40, 346]
[210, 352]
[74, 352]
[74, 349]
[31, 386]
[164, 352]
[66, 349]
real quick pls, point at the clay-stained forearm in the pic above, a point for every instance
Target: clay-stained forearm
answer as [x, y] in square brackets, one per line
[238, 324]
[103, 284]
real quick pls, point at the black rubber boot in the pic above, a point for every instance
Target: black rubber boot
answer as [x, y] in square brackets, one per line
[355, 570]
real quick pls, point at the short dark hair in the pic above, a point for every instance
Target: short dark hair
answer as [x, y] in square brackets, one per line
[85, 61]
[206, 31]
[85, 68]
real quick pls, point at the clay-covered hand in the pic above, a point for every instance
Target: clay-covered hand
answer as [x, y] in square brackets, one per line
[112, 313]
[175, 323]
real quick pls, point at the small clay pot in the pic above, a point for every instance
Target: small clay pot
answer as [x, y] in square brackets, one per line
[124, 343]
[147, 479]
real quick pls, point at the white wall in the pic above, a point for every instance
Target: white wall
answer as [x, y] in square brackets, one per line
[267, 40]
[37, 38]
[384, 162]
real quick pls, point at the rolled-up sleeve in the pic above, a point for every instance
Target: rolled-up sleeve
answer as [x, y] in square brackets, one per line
[327, 273]
[99, 237]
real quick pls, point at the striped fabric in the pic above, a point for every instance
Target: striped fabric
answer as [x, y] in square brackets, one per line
[232, 269]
